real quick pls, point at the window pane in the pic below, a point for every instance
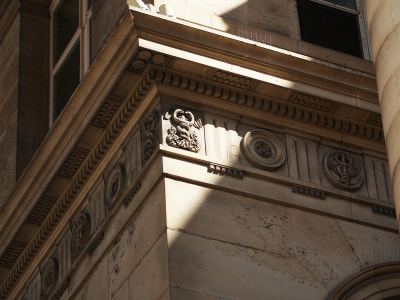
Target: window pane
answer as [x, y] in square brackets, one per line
[329, 27]
[66, 80]
[347, 3]
[66, 23]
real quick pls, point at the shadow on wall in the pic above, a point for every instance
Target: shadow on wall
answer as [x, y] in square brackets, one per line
[252, 19]
[228, 239]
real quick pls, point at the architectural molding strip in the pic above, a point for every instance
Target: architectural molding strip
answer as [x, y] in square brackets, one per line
[106, 112]
[302, 190]
[134, 190]
[60, 291]
[96, 242]
[41, 210]
[224, 170]
[279, 108]
[383, 210]
[12, 253]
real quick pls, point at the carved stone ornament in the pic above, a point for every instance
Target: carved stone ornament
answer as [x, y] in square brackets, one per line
[263, 150]
[182, 135]
[48, 276]
[150, 135]
[80, 229]
[114, 186]
[343, 170]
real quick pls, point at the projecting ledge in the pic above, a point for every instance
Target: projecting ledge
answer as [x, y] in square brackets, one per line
[332, 80]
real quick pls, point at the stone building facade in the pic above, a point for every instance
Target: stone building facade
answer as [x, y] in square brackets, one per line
[203, 150]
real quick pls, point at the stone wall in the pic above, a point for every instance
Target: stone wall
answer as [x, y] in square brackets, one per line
[9, 60]
[228, 246]
[384, 27]
[103, 22]
[33, 86]
[276, 16]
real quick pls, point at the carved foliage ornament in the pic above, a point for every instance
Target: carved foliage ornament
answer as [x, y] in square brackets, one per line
[343, 170]
[79, 233]
[114, 185]
[263, 149]
[150, 135]
[182, 135]
[48, 276]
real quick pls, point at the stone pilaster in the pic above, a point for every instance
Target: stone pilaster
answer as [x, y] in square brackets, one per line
[384, 25]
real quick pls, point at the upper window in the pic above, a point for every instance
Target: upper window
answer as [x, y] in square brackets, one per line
[69, 59]
[334, 24]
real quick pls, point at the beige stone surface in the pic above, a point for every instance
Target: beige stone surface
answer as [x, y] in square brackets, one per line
[33, 287]
[226, 270]
[166, 295]
[137, 239]
[389, 104]
[393, 144]
[386, 63]
[235, 219]
[151, 278]
[370, 245]
[301, 156]
[96, 206]
[123, 292]
[181, 294]
[378, 178]
[370, 7]
[396, 192]
[384, 20]
[322, 248]
[275, 15]
[97, 286]
[380, 26]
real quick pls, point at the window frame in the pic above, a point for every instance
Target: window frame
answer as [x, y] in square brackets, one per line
[82, 34]
[362, 23]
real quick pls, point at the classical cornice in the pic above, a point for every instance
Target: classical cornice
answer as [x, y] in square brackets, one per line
[290, 111]
[352, 86]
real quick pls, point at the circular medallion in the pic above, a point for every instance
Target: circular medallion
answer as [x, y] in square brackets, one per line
[48, 276]
[114, 186]
[343, 170]
[263, 149]
[79, 233]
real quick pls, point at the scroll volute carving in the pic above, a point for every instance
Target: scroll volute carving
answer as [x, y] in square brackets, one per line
[181, 133]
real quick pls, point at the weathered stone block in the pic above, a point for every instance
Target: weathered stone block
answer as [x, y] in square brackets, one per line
[139, 236]
[151, 278]
[226, 270]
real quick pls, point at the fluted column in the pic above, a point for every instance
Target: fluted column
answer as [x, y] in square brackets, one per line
[384, 27]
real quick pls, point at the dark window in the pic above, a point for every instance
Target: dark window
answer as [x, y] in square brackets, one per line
[330, 27]
[70, 47]
[66, 80]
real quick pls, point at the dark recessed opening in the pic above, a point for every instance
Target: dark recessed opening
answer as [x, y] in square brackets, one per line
[329, 27]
